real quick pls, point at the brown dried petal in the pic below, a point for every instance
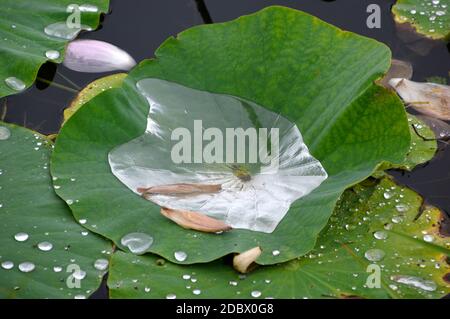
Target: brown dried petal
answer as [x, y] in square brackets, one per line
[428, 98]
[244, 262]
[180, 189]
[194, 220]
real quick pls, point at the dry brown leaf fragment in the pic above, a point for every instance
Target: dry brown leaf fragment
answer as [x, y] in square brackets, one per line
[194, 220]
[245, 262]
[428, 98]
[180, 189]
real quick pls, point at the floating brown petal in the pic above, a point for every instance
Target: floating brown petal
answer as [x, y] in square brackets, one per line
[193, 220]
[180, 189]
[245, 262]
[428, 98]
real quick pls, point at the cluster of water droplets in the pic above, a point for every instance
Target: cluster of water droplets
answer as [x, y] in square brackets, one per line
[435, 11]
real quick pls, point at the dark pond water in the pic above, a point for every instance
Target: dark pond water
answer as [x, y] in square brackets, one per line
[140, 26]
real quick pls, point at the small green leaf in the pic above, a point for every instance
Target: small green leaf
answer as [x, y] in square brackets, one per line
[430, 18]
[37, 229]
[422, 149]
[92, 90]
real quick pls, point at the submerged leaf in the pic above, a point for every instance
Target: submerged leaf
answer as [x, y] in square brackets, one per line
[428, 98]
[398, 69]
[93, 56]
[194, 220]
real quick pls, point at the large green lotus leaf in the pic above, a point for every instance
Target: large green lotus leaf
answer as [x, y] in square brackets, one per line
[37, 227]
[25, 46]
[414, 263]
[278, 58]
[430, 18]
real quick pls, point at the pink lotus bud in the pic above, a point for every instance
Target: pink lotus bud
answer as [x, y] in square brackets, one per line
[94, 56]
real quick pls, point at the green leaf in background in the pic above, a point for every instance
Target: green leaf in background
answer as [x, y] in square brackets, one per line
[93, 89]
[278, 58]
[429, 17]
[376, 224]
[37, 231]
[421, 149]
[28, 38]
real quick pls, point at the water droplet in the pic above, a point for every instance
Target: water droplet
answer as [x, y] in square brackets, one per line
[256, 293]
[397, 219]
[180, 255]
[82, 221]
[275, 252]
[440, 13]
[79, 297]
[26, 266]
[101, 264]
[21, 236]
[171, 296]
[52, 54]
[428, 238]
[15, 84]
[196, 291]
[7, 265]
[233, 283]
[69, 201]
[186, 277]
[416, 282]
[137, 243]
[381, 234]
[436, 1]
[374, 254]
[147, 289]
[79, 274]
[401, 208]
[387, 195]
[62, 31]
[84, 233]
[57, 269]
[393, 287]
[5, 133]
[45, 246]
[88, 8]
[413, 11]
